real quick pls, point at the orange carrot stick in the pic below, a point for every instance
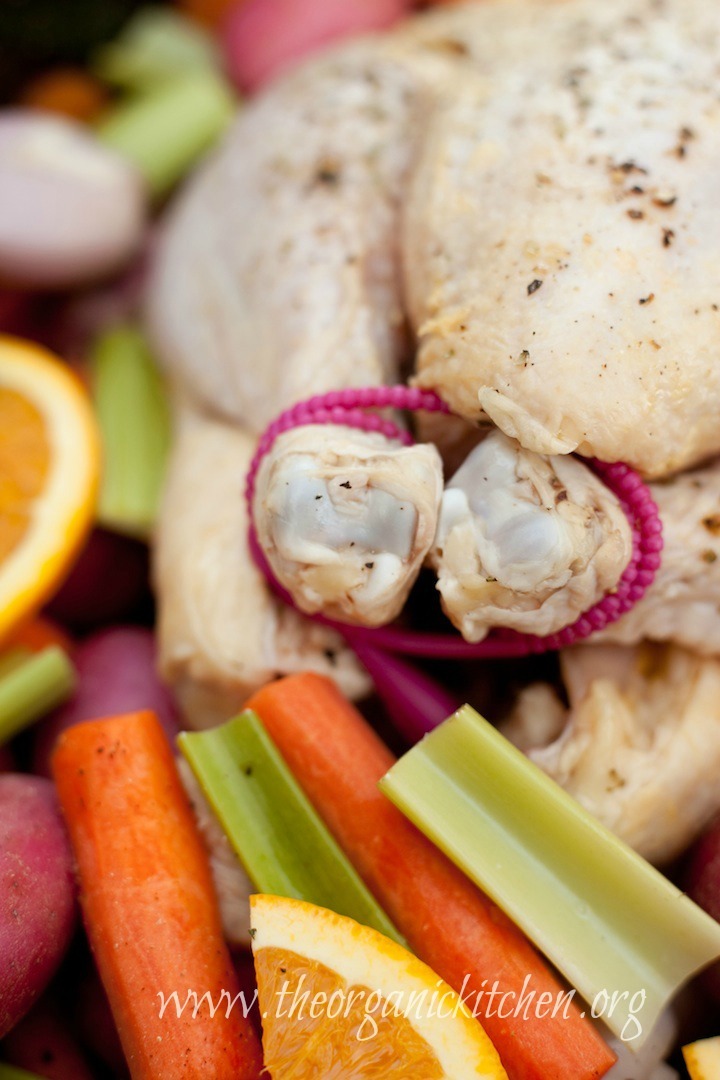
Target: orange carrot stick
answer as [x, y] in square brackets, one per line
[39, 633]
[149, 905]
[68, 91]
[211, 13]
[451, 925]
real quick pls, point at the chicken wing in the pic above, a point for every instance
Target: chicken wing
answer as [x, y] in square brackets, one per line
[639, 745]
[683, 603]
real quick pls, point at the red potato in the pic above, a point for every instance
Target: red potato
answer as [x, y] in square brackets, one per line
[264, 36]
[116, 674]
[37, 893]
[703, 885]
[108, 582]
[42, 1044]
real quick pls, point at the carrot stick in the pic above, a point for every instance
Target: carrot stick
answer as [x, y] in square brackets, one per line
[451, 925]
[149, 905]
[38, 634]
[68, 91]
[211, 13]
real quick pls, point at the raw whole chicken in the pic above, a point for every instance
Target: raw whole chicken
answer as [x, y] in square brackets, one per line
[515, 203]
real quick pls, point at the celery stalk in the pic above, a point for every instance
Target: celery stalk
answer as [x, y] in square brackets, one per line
[134, 420]
[10, 1072]
[33, 688]
[165, 130]
[156, 44]
[275, 831]
[609, 921]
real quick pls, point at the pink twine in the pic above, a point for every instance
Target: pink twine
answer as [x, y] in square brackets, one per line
[346, 407]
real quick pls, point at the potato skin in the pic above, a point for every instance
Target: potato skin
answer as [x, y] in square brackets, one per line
[116, 674]
[37, 893]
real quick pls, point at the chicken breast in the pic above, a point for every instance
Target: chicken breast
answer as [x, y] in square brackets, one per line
[221, 633]
[525, 541]
[639, 745]
[562, 227]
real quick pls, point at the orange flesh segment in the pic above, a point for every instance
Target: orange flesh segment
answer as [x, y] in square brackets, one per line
[24, 464]
[296, 1043]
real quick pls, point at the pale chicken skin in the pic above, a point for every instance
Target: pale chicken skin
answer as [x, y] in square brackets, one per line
[639, 744]
[279, 272]
[562, 228]
[683, 603]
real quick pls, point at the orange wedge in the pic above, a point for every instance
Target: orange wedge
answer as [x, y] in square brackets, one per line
[702, 1059]
[49, 467]
[344, 1002]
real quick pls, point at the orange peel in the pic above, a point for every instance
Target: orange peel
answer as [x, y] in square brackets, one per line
[343, 1001]
[49, 474]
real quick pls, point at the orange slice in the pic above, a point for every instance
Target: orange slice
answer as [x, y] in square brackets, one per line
[702, 1059]
[344, 1002]
[49, 466]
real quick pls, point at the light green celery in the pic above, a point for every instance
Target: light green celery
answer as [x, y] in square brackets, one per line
[609, 921]
[10, 1072]
[156, 44]
[275, 831]
[134, 418]
[165, 130]
[33, 688]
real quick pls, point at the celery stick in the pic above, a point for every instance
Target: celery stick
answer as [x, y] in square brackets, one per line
[164, 131]
[34, 688]
[134, 419]
[10, 1072]
[156, 44]
[609, 921]
[275, 831]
